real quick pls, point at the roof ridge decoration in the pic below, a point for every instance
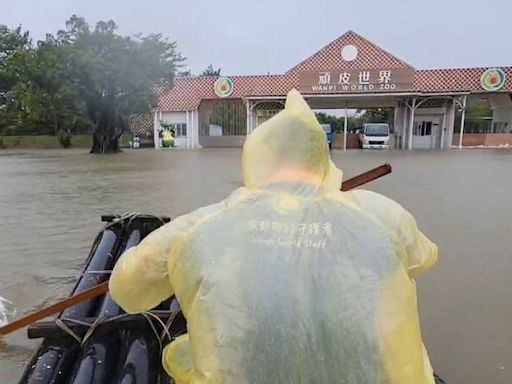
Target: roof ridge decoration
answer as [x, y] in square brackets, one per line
[368, 56]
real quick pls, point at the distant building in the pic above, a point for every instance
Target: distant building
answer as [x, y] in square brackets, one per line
[350, 72]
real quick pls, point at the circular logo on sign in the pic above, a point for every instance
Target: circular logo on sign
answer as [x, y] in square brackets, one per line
[493, 79]
[349, 52]
[223, 87]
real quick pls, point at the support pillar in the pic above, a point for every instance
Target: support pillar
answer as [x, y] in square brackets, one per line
[451, 124]
[248, 128]
[195, 133]
[193, 125]
[345, 125]
[189, 131]
[405, 109]
[396, 117]
[156, 138]
[462, 120]
[411, 124]
[443, 127]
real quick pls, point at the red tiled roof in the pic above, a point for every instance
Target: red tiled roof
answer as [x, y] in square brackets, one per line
[187, 92]
[142, 124]
[369, 56]
[457, 79]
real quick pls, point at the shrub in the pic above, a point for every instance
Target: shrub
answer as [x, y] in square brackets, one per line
[65, 139]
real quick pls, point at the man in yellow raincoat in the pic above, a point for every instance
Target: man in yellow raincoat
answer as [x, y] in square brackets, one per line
[288, 280]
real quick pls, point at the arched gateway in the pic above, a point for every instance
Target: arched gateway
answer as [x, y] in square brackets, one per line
[350, 72]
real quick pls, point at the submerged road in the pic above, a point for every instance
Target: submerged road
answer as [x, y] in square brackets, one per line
[51, 202]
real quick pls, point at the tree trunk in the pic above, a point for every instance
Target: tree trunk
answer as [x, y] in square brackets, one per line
[105, 144]
[55, 124]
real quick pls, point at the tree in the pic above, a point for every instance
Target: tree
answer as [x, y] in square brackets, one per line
[336, 123]
[210, 71]
[376, 115]
[82, 78]
[12, 42]
[43, 99]
[115, 76]
[478, 116]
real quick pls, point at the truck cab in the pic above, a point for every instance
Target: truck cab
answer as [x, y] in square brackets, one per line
[374, 136]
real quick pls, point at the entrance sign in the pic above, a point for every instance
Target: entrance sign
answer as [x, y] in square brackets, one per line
[493, 79]
[356, 81]
[223, 87]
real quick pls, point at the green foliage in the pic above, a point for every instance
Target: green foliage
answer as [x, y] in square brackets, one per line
[42, 101]
[52, 141]
[12, 42]
[81, 80]
[478, 116]
[1, 142]
[65, 139]
[376, 115]
[115, 75]
[337, 123]
[478, 108]
[210, 71]
[231, 115]
[379, 115]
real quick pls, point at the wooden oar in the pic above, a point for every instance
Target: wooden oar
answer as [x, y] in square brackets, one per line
[366, 177]
[102, 288]
[90, 293]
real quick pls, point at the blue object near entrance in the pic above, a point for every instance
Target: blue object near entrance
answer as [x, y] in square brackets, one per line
[328, 133]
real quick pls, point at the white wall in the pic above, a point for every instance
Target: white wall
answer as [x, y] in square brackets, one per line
[174, 117]
[430, 111]
[503, 115]
[156, 126]
[501, 105]
[400, 125]
[499, 100]
[450, 125]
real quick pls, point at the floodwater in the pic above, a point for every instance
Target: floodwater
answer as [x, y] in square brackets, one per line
[51, 202]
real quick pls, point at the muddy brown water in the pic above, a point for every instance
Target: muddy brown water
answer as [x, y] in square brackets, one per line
[51, 202]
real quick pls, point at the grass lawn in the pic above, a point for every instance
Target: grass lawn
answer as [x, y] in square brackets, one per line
[46, 141]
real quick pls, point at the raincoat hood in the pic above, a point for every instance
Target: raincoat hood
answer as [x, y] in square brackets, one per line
[291, 146]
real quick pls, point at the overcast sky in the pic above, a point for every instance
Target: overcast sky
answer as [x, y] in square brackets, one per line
[260, 36]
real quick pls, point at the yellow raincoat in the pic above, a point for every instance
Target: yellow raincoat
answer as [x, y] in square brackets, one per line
[288, 280]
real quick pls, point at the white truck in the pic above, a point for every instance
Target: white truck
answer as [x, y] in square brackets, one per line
[374, 136]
